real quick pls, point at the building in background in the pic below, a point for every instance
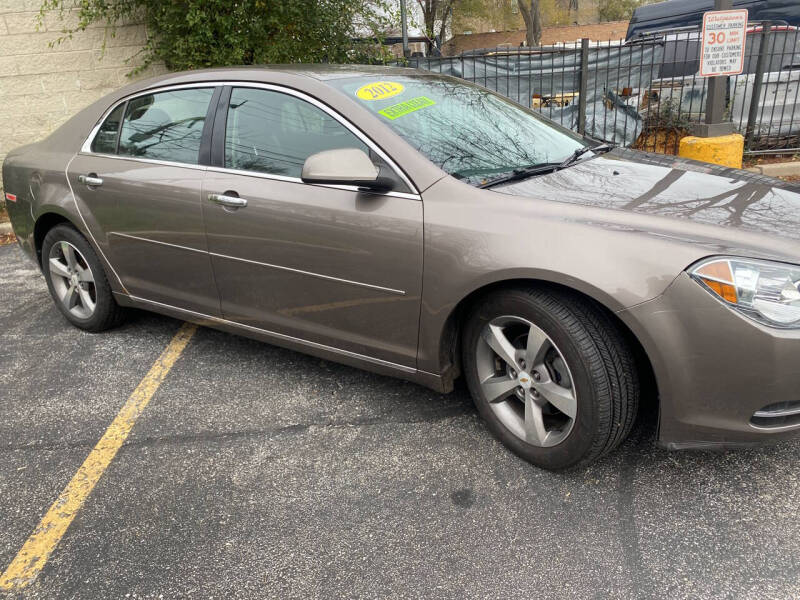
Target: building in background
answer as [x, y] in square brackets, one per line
[417, 40]
[43, 83]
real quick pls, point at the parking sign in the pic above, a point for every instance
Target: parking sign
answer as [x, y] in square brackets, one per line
[722, 50]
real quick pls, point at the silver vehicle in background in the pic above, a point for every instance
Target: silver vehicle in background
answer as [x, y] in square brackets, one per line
[678, 89]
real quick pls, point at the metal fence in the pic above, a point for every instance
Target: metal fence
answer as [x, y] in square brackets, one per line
[646, 93]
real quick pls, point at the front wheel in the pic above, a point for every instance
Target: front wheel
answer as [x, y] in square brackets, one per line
[551, 374]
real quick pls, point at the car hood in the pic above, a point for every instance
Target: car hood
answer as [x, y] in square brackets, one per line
[674, 188]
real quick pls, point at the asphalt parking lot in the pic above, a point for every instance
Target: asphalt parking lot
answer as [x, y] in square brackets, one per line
[259, 472]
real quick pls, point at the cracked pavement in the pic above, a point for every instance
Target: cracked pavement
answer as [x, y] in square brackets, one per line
[259, 472]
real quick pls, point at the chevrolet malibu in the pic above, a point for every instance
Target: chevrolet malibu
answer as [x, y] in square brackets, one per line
[426, 228]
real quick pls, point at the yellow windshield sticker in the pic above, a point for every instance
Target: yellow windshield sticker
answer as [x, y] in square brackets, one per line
[379, 90]
[398, 110]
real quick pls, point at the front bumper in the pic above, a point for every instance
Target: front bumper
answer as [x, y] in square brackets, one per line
[715, 369]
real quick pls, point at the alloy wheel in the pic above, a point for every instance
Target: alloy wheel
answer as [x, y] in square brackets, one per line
[73, 280]
[526, 381]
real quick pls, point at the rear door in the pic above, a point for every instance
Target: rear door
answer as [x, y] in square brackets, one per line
[329, 265]
[138, 188]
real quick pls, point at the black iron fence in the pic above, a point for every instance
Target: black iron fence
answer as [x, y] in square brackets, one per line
[646, 93]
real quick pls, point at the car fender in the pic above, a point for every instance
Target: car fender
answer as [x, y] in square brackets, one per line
[470, 247]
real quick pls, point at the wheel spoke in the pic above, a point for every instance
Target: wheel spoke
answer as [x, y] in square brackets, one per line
[497, 341]
[535, 432]
[528, 360]
[537, 346]
[71, 297]
[69, 255]
[560, 397]
[498, 388]
[85, 275]
[86, 299]
[58, 268]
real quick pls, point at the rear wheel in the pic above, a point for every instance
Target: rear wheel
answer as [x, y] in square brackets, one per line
[551, 374]
[77, 282]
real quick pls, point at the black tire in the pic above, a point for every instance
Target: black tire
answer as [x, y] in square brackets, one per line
[107, 313]
[602, 366]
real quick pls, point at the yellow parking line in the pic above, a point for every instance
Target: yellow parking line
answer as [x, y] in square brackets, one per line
[44, 539]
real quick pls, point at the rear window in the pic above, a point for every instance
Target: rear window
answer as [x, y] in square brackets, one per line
[106, 139]
[166, 125]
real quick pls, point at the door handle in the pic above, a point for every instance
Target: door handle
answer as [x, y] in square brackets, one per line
[230, 201]
[91, 180]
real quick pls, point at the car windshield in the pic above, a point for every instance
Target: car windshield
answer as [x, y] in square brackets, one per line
[471, 133]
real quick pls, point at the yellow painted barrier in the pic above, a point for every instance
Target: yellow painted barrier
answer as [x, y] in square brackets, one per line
[725, 150]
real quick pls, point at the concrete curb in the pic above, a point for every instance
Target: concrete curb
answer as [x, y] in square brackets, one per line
[787, 169]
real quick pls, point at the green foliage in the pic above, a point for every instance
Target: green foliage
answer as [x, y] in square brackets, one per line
[193, 34]
[667, 114]
[618, 10]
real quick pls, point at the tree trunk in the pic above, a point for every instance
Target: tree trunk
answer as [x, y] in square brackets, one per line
[532, 15]
[447, 6]
[429, 17]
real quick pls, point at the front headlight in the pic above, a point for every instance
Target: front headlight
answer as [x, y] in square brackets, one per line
[766, 291]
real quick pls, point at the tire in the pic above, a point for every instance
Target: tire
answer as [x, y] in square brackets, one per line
[75, 277]
[582, 362]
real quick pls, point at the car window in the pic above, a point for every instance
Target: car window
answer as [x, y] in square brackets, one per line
[470, 132]
[106, 139]
[165, 126]
[272, 132]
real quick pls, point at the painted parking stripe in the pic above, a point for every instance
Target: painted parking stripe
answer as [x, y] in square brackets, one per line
[30, 560]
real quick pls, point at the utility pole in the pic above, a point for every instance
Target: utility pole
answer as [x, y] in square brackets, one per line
[716, 97]
[404, 27]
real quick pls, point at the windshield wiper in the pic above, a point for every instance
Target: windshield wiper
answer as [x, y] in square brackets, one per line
[522, 173]
[580, 152]
[540, 168]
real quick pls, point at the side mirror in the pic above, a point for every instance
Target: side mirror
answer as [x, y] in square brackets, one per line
[344, 166]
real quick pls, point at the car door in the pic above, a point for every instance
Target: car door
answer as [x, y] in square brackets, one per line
[138, 185]
[329, 265]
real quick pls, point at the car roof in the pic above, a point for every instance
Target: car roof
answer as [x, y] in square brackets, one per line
[321, 73]
[266, 73]
[326, 71]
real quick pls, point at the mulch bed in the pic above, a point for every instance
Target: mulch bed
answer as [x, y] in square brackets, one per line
[660, 140]
[5, 238]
